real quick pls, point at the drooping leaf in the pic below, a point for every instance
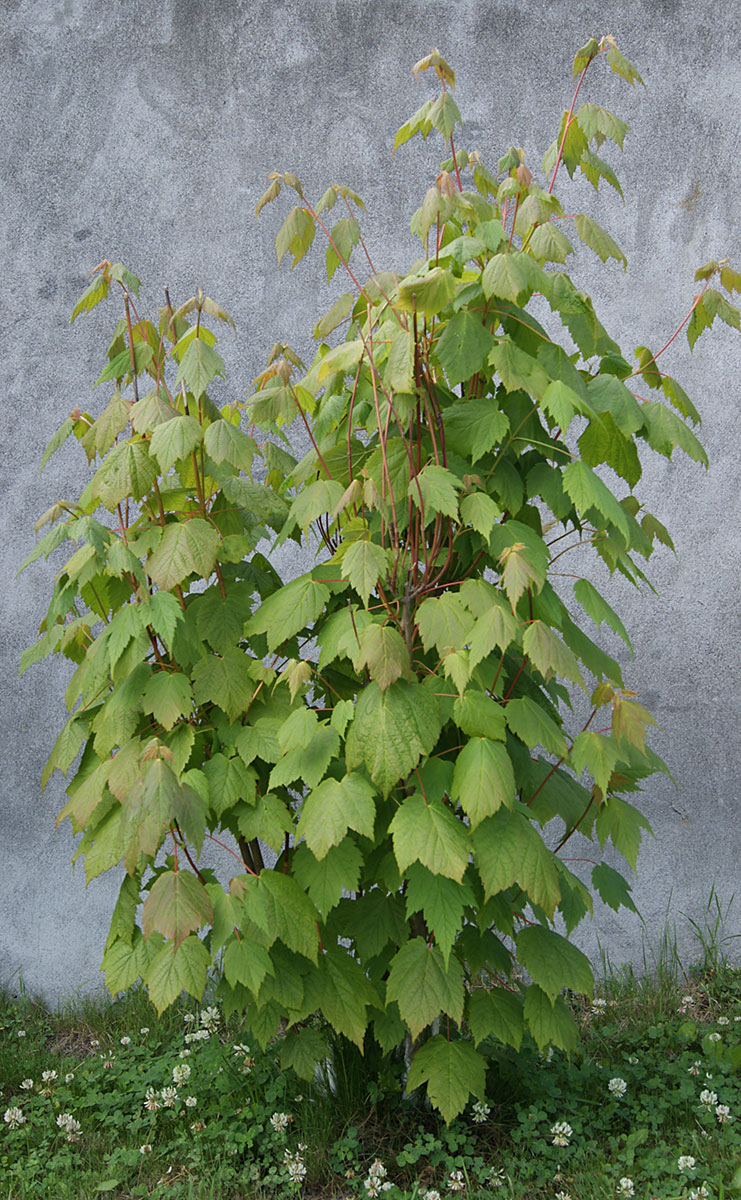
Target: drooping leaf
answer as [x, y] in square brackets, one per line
[363, 565]
[509, 850]
[334, 807]
[427, 831]
[288, 610]
[483, 779]
[453, 1071]
[384, 652]
[168, 696]
[422, 987]
[175, 970]
[187, 548]
[552, 962]
[391, 731]
[496, 1013]
[177, 905]
[550, 1023]
[529, 722]
[464, 346]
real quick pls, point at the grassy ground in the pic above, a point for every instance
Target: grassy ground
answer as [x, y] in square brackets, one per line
[651, 1107]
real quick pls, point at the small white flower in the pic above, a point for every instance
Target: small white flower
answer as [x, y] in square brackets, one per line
[210, 1018]
[94, 1042]
[27, 1084]
[708, 1099]
[480, 1112]
[723, 1113]
[599, 1007]
[13, 1117]
[199, 1035]
[169, 1096]
[21, 1033]
[714, 1037]
[685, 1162]
[737, 1018]
[563, 1196]
[240, 1048]
[432, 1195]
[181, 1073]
[617, 1086]
[496, 1177]
[69, 1077]
[625, 1187]
[189, 1018]
[184, 1054]
[723, 1021]
[70, 1126]
[688, 999]
[144, 1030]
[145, 1149]
[197, 1126]
[562, 1133]
[456, 1181]
[125, 1041]
[151, 1099]
[294, 1165]
[633, 1060]
[695, 1068]
[48, 1076]
[700, 1193]
[190, 1101]
[280, 1121]
[376, 1170]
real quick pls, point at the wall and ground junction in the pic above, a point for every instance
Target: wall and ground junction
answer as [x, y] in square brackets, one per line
[144, 133]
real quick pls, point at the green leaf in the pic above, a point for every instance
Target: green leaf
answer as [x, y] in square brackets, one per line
[480, 511]
[342, 359]
[453, 1071]
[622, 823]
[422, 987]
[186, 548]
[267, 818]
[93, 294]
[288, 610]
[306, 763]
[552, 962]
[338, 313]
[622, 67]
[602, 442]
[518, 370]
[509, 850]
[496, 1013]
[168, 695]
[551, 1024]
[598, 609]
[177, 904]
[464, 346]
[384, 652]
[441, 901]
[427, 831]
[613, 889]
[325, 880]
[391, 731]
[548, 654]
[295, 236]
[438, 487]
[198, 366]
[534, 727]
[125, 962]
[363, 564]
[127, 471]
[599, 123]
[512, 276]
[334, 807]
[474, 427]
[120, 365]
[428, 294]
[549, 244]
[589, 492]
[344, 993]
[248, 963]
[224, 681]
[399, 372]
[497, 627]
[225, 442]
[174, 440]
[483, 779]
[175, 970]
[608, 394]
[229, 782]
[520, 571]
[596, 753]
[278, 906]
[443, 622]
[345, 235]
[302, 1049]
[477, 715]
[665, 432]
[595, 168]
[58, 439]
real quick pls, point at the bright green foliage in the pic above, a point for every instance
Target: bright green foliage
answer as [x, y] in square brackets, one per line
[396, 724]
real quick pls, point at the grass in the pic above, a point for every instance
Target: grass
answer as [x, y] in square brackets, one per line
[666, 1035]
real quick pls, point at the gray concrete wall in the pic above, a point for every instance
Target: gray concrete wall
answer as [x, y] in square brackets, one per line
[144, 133]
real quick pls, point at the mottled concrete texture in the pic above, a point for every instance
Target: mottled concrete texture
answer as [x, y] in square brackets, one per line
[144, 133]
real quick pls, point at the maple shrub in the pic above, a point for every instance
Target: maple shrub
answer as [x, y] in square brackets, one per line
[387, 746]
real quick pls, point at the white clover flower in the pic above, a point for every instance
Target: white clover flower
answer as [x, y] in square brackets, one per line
[27, 1084]
[376, 1169]
[210, 1018]
[145, 1149]
[737, 1018]
[70, 1126]
[294, 1165]
[714, 1037]
[496, 1177]
[94, 1042]
[617, 1086]
[280, 1121]
[48, 1076]
[125, 1041]
[151, 1099]
[700, 1193]
[181, 1073]
[190, 1101]
[189, 1018]
[695, 1068]
[456, 1181]
[688, 999]
[723, 1113]
[199, 1035]
[169, 1096]
[184, 1054]
[633, 1060]
[723, 1021]
[708, 1099]
[563, 1196]
[598, 1007]
[69, 1077]
[21, 1033]
[685, 1162]
[625, 1187]
[144, 1030]
[432, 1195]
[480, 1111]
[562, 1133]
[13, 1117]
